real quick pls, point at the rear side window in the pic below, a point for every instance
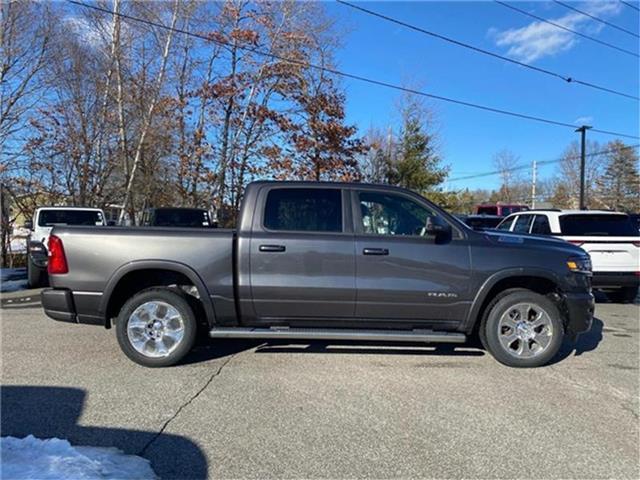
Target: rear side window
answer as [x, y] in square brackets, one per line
[594, 225]
[523, 223]
[304, 210]
[541, 225]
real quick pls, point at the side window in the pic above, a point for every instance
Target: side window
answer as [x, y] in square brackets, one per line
[388, 214]
[304, 209]
[541, 225]
[523, 223]
[505, 225]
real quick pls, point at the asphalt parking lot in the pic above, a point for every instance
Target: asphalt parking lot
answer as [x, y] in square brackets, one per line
[255, 410]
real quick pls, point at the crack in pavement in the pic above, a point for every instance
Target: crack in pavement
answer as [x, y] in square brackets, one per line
[185, 404]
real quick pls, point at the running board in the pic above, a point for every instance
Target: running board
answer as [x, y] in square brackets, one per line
[339, 334]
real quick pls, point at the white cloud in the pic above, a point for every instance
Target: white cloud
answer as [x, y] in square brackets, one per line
[540, 39]
[583, 121]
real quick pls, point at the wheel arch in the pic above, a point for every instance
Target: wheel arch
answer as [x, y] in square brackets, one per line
[538, 280]
[112, 299]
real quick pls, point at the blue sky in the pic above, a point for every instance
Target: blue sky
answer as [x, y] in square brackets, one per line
[469, 138]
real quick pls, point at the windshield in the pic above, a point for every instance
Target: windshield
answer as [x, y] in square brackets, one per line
[597, 225]
[49, 218]
[181, 218]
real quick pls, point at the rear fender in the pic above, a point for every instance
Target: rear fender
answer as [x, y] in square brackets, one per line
[158, 265]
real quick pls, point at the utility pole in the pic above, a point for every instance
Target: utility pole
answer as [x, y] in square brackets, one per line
[533, 184]
[583, 139]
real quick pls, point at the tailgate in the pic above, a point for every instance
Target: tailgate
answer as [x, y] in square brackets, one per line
[611, 254]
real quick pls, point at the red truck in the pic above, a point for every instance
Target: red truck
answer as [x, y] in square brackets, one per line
[499, 209]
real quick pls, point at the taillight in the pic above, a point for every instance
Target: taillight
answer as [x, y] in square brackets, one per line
[637, 244]
[57, 259]
[576, 242]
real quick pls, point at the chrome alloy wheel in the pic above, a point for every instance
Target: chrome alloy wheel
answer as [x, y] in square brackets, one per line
[525, 330]
[155, 329]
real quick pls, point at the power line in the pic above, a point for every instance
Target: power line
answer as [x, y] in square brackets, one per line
[486, 52]
[543, 162]
[629, 32]
[345, 74]
[630, 5]
[562, 27]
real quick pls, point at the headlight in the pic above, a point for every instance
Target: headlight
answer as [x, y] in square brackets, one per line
[579, 264]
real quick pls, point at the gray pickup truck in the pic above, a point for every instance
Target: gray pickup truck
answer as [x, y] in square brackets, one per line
[327, 261]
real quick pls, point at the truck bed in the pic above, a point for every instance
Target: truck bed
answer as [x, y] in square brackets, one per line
[98, 257]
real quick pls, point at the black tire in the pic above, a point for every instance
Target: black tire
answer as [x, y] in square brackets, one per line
[36, 277]
[177, 350]
[623, 295]
[490, 326]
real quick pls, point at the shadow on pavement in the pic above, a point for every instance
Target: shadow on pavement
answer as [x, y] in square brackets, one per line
[586, 342]
[47, 412]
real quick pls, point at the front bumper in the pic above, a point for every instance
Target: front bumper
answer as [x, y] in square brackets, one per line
[579, 311]
[615, 279]
[75, 307]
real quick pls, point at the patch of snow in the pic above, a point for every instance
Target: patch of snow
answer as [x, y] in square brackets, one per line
[32, 458]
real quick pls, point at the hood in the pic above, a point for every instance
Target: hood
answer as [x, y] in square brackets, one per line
[528, 240]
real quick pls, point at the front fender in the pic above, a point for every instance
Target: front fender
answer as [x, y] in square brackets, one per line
[486, 287]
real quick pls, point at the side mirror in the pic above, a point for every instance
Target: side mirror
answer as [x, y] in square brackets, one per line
[438, 228]
[28, 225]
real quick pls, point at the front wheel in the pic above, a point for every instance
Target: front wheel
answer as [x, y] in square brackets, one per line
[156, 327]
[523, 329]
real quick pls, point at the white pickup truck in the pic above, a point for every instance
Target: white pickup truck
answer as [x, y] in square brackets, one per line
[44, 219]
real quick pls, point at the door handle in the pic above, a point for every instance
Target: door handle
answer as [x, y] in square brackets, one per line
[375, 251]
[272, 248]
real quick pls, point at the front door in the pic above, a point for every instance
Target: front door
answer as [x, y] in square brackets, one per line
[401, 273]
[302, 255]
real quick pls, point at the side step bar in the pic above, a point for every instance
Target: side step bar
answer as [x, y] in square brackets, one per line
[428, 336]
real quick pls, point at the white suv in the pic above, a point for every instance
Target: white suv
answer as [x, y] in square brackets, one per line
[609, 237]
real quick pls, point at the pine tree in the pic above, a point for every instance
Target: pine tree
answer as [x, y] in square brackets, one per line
[620, 183]
[417, 166]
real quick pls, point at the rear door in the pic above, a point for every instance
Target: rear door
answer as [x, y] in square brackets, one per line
[401, 274]
[302, 254]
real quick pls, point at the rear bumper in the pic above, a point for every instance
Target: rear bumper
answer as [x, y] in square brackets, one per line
[75, 307]
[615, 279]
[579, 308]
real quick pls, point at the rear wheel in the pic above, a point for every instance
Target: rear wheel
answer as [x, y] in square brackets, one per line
[623, 295]
[156, 327]
[522, 329]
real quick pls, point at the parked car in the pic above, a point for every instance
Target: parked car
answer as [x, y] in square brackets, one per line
[177, 217]
[481, 222]
[500, 209]
[44, 219]
[329, 261]
[610, 238]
